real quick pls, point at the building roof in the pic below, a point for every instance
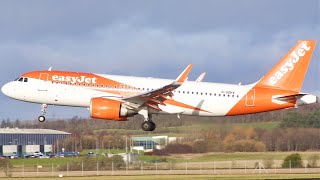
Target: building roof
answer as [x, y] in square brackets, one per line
[31, 131]
[148, 138]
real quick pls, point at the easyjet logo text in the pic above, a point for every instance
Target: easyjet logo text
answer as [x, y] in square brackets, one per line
[289, 65]
[72, 79]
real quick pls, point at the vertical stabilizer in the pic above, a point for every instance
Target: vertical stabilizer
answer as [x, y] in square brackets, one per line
[290, 71]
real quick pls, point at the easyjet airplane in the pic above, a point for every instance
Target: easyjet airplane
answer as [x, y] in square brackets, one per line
[116, 98]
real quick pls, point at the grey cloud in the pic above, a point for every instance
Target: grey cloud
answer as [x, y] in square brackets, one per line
[234, 41]
[30, 19]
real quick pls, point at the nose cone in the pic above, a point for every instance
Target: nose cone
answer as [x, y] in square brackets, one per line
[6, 90]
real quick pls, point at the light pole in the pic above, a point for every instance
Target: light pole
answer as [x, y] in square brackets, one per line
[109, 147]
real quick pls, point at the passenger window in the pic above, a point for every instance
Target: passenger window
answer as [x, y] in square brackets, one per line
[25, 80]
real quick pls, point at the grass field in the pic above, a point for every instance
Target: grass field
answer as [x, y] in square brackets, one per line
[212, 125]
[207, 157]
[155, 177]
[237, 156]
[200, 125]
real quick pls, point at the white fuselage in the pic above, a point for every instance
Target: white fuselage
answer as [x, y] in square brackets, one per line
[215, 99]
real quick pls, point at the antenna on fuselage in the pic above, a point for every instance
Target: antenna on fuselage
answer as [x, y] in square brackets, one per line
[50, 68]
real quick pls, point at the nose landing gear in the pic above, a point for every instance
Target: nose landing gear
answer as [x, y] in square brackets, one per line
[44, 108]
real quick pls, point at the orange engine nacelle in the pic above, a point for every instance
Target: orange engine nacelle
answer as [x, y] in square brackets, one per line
[109, 109]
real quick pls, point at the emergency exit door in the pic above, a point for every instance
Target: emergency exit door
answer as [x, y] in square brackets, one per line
[250, 97]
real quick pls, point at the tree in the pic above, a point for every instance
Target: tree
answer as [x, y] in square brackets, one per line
[3, 123]
[268, 162]
[199, 146]
[293, 161]
[313, 161]
[292, 119]
[4, 164]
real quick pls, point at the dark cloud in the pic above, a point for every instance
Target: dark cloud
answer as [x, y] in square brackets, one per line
[233, 41]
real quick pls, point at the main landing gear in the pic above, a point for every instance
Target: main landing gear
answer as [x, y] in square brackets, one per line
[44, 108]
[148, 125]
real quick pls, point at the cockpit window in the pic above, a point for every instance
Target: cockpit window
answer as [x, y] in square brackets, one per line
[21, 79]
[25, 80]
[16, 79]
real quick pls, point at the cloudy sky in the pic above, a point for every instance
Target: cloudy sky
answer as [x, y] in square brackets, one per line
[233, 41]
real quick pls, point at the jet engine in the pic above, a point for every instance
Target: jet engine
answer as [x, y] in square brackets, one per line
[109, 109]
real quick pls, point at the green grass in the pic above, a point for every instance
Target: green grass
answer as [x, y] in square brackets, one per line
[261, 125]
[30, 162]
[228, 156]
[194, 158]
[103, 151]
[211, 125]
[200, 125]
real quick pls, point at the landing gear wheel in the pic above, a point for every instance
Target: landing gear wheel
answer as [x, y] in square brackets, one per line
[41, 118]
[153, 127]
[148, 126]
[44, 108]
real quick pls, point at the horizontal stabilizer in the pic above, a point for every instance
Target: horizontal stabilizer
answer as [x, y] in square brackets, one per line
[301, 99]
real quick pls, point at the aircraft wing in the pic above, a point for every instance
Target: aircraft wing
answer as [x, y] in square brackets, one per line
[158, 96]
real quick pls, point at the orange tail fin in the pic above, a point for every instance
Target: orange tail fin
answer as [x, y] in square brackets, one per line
[290, 71]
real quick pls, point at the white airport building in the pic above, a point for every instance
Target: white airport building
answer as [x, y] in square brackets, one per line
[145, 143]
[15, 141]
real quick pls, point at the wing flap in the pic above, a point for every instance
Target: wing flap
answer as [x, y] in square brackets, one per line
[157, 97]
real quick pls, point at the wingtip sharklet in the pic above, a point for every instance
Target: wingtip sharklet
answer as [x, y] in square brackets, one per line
[183, 76]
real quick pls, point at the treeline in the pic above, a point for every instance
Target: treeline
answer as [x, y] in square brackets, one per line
[234, 139]
[298, 130]
[88, 126]
[300, 120]
[249, 139]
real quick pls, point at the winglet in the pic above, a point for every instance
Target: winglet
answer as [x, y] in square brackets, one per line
[183, 76]
[200, 78]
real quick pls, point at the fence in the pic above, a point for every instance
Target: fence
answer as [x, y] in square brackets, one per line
[142, 168]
